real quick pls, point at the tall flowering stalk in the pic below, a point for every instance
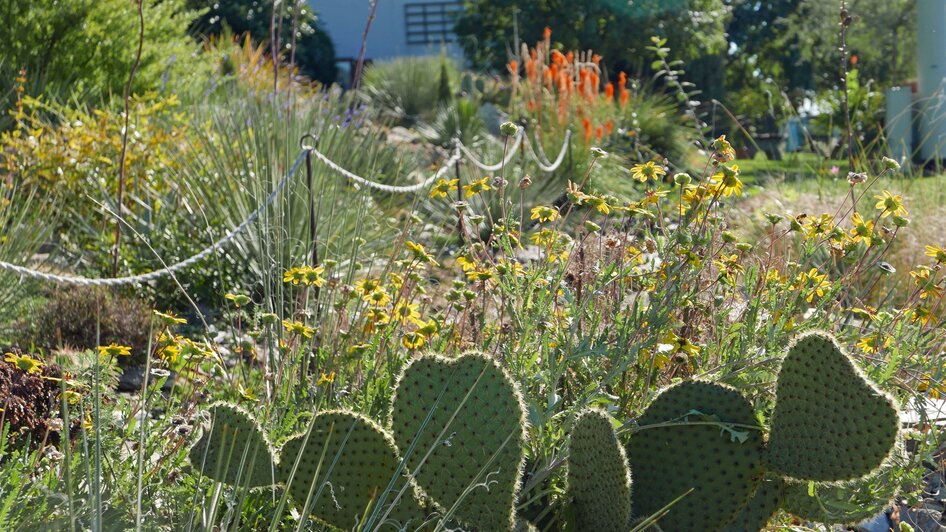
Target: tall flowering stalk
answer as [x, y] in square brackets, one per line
[566, 89]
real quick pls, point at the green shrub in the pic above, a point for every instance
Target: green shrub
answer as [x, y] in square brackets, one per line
[82, 50]
[406, 88]
[84, 318]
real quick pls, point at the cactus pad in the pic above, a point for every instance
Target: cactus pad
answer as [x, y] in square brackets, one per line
[763, 505]
[351, 460]
[846, 502]
[233, 449]
[708, 456]
[598, 477]
[460, 424]
[830, 423]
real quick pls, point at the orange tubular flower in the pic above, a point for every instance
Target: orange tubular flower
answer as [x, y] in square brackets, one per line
[558, 58]
[547, 33]
[625, 96]
[608, 127]
[599, 133]
[513, 67]
[609, 91]
[586, 125]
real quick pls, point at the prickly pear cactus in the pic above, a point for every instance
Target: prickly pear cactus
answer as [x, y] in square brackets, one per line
[763, 505]
[845, 503]
[233, 449]
[696, 442]
[830, 422]
[460, 425]
[599, 480]
[343, 467]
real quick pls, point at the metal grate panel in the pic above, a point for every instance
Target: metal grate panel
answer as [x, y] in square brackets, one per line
[431, 22]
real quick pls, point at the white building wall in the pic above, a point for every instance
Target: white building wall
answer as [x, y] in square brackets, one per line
[931, 76]
[344, 20]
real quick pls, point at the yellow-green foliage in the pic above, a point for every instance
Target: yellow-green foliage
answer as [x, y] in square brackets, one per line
[72, 154]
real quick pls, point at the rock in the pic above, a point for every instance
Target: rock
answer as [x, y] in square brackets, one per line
[929, 411]
[401, 135]
[529, 254]
[879, 523]
[922, 519]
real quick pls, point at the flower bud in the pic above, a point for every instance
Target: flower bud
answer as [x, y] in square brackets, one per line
[890, 164]
[508, 129]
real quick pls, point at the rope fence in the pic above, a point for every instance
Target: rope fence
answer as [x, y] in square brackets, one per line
[491, 167]
[459, 152]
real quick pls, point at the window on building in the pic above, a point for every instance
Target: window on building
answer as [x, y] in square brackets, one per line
[430, 22]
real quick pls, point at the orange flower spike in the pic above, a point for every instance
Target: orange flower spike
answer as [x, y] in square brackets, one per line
[622, 80]
[609, 127]
[513, 67]
[558, 58]
[547, 33]
[599, 132]
[625, 96]
[586, 125]
[547, 77]
[570, 57]
[609, 91]
[595, 82]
